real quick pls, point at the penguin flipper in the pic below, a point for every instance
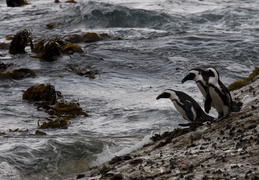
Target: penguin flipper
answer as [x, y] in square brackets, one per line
[188, 110]
[207, 104]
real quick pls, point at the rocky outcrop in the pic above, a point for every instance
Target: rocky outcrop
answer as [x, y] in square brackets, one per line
[221, 150]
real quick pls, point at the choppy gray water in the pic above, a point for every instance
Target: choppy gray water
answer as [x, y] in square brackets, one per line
[159, 42]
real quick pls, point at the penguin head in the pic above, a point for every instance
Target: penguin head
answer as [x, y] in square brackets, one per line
[193, 74]
[212, 74]
[168, 93]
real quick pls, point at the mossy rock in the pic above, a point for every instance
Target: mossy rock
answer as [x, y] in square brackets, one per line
[41, 92]
[240, 83]
[20, 41]
[18, 74]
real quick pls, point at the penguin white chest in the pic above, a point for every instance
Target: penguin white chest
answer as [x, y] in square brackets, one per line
[201, 88]
[217, 101]
[183, 111]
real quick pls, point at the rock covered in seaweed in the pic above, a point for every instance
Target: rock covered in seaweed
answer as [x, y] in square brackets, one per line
[20, 41]
[59, 122]
[227, 149]
[82, 71]
[41, 92]
[18, 74]
[4, 66]
[15, 3]
[51, 49]
[87, 37]
[67, 109]
[52, 102]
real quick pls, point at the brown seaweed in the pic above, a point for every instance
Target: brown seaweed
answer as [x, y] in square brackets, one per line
[66, 109]
[15, 3]
[41, 92]
[51, 49]
[4, 66]
[59, 122]
[20, 41]
[18, 74]
[82, 71]
[52, 102]
[88, 37]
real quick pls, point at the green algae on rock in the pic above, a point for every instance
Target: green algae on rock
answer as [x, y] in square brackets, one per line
[240, 83]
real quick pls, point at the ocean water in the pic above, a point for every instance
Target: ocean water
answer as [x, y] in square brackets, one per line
[154, 44]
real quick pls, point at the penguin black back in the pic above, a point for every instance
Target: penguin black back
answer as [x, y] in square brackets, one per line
[186, 105]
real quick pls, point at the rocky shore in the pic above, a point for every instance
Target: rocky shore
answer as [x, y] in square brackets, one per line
[228, 149]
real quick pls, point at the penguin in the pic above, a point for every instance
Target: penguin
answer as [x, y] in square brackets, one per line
[200, 79]
[217, 94]
[186, 106]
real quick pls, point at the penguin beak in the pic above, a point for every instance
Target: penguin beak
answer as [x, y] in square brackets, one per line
[188, 77]
[163, 95]
[159, 97]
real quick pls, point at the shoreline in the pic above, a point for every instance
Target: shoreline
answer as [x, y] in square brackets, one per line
[222, 150]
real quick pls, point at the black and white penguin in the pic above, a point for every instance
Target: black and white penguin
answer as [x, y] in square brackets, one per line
[200, 78]
[217, 94]
[186, 105]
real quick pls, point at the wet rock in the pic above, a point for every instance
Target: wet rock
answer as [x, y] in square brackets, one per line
[41, 92]
[15, 3]
[71, 48]
[88, 37]
[38, 132]
[20, 41]
[51, 49]
[18, 74]
[67, 109]
[53, 103]
[136, 162]
[4, 45]
[70, 1]
[93, 37]
[4, 66]
[82, 71]
[61, 123]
